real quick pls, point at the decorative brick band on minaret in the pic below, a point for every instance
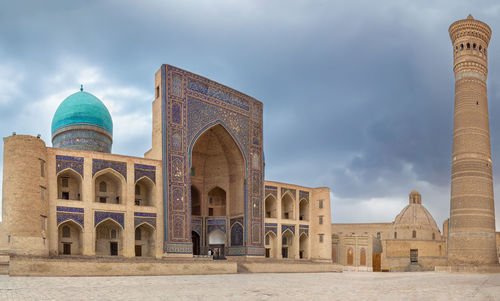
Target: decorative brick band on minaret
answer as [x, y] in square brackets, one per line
[472, 213]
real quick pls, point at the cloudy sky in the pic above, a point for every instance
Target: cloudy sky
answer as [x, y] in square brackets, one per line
[358, 95]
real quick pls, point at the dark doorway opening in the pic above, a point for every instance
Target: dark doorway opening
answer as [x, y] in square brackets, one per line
[268, 253]
[196, 243]
[414, 256]
[284, 252]
[138, 250]
[113, 248]
[67, 249]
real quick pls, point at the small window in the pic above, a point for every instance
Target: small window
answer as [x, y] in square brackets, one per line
[138, 202]
[284, 241]
[42, 193]
[474, 46]
[461, 46]
[286, 215]
[66, 232]
[157, 91]
[102, 187]
[468, 45]
[102, 199]
[64, 182]
[113, 233]
[378, 235]
[137, 234]
[65, 195]
[320, 204]
[137, 190]
[395, 235]
[456, 48]
[44, 222]
[414, 234]
[480, 48]
[320, 219]
[193, 172]
[321, 238]
[42, 168]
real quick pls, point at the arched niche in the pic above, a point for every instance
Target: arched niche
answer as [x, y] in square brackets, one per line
[144, 240]
[108, 238]
[70, 238]
[271, 244]
[216, 237]
[108, 187]
[69, 185]
[304, 210]
[144, 192]
[304, 246]
[287, 208]
[270, 206]
[287, 250]
[216, 202]
[350, 256]
[217, 162]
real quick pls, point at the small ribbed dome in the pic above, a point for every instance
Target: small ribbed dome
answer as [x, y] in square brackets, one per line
[82, 108]
[415, 222]
[82, 122]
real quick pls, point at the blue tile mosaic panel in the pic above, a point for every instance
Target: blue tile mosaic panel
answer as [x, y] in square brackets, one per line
[271, 227]
[118, 217]
[284, 190]
[142, 170]
[120, 167]
[237, 235]
[70, 209]
[215, 92]
[285, 227]
[141, 220]
[304, 195]
[75, 163]
[64, 216]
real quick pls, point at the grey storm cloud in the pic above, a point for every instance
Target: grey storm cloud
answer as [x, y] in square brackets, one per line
[358, 95]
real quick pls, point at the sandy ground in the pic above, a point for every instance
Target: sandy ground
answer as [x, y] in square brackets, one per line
[321, 286]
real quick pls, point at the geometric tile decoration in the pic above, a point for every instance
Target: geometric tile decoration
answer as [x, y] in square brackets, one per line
[303, 195]
[285, 227]
[120, 167]
[304, 229]
[70, 213]
[142, 217]
[214, 92]
[118, 217]
[178, 248]
[272, 227]
[271, 190]
[217, 223]
[196, 224]
[75, 163]
[237, 235]
[256, 251]
[284, 190]
[141, 170]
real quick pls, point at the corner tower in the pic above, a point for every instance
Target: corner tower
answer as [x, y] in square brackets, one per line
[472, 213]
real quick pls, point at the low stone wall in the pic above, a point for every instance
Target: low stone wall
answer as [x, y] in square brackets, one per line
[288, 267]
[495, 268]
[26, 266]
[402, 264]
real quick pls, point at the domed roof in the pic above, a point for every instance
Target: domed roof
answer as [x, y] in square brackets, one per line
[415, 214]
[82, 108]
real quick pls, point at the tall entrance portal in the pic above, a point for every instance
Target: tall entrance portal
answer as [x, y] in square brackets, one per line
[217, 189]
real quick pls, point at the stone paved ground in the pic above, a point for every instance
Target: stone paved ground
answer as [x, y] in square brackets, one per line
[324, 286]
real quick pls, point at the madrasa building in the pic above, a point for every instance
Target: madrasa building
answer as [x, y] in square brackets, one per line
[199, 190]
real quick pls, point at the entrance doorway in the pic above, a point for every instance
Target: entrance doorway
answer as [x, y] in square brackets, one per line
[67, 249]
[196, 243]
[284, 252]
[138, 250]
[414, 256]
[113, 248]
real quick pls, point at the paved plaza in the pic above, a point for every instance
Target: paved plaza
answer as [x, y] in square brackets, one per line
[321, 286]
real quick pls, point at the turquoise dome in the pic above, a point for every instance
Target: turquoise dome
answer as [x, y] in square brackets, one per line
[82, 108]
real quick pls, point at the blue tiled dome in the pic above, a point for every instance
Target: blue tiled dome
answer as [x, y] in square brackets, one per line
[82, 122]
[82, 108]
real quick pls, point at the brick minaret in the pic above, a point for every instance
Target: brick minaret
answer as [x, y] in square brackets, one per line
[472, 213]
